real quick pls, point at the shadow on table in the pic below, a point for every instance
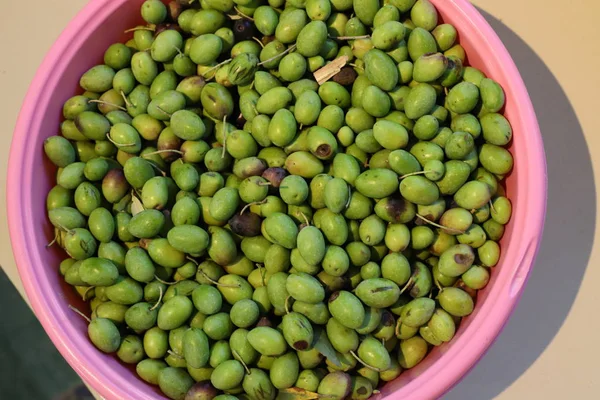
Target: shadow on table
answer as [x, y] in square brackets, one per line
[31, 366]
[568, 234]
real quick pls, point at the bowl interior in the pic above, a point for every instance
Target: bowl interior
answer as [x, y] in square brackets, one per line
[31, 176]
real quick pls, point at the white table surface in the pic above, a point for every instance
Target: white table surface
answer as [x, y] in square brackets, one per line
[549, 348]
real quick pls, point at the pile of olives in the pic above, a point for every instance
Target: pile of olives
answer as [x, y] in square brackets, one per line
[241, 229]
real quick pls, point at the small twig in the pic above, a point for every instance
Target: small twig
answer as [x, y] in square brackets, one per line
[80, 313]
[215, 67]
[237, 10]
[160, 296]
[165, 282]
[330, 70]
[289, 49]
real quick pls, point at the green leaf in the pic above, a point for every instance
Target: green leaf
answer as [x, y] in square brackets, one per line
[321, 343]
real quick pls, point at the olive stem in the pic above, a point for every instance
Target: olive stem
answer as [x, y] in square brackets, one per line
[164, 282]
[118, 144]
[437, 283]
[259, 42]
[350, 37]
[192, 260]
[140, 28]
[170, 352]
[164, 112]
[356, 66]
[178, 50]
[408, 284]
[80, 313]
[349, 196]
[306, 221]
[256, 203]
[397, 328]
[262, 274]
[415, 173]
[64, 229]
[216, 66]
[56, 233]
[285, 305]
[363, 363]
[239, 358]
[492, 206]
[163, 173]
[264, 184]
[163, 151]
[237, 10]
[107, 104]
[376, 391]
[224, 137]
[208, 278]
[86, 292]
[127, 103]
[438, 225]
[160, 296]
[289, 49]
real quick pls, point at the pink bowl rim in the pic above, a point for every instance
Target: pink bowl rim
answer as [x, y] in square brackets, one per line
[64, 336]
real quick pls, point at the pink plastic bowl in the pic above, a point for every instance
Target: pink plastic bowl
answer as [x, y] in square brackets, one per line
[31, 176]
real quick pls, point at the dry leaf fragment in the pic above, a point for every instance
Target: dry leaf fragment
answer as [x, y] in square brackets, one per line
[136, 205]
